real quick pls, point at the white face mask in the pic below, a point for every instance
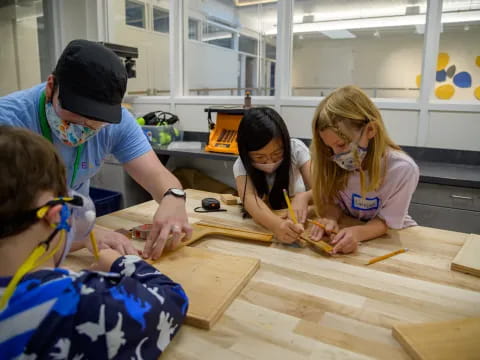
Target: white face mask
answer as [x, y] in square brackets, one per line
[267, 168]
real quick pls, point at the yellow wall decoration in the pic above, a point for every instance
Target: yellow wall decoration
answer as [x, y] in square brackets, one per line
[477, 61]
[442, 61]
[445, 92]
[477, 93]
[418, 80]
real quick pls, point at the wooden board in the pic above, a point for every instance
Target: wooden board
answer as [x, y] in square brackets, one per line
[211, 280]
[468, 258]
[458, 339]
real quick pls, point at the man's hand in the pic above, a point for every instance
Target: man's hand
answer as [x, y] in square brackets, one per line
[170, 226]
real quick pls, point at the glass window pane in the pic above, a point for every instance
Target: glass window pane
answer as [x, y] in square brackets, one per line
[152, 65]
[160, 20]
[193, 32]
[248, 44]
[216, 35]
[25, 57]
[234, 45]
[135, 13]
[376, 45]
[458, 61]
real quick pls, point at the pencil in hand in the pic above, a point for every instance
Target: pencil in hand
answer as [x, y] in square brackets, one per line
[289, 205]
[322, 226]
[94, 245]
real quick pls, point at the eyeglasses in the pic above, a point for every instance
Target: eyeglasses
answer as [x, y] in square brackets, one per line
[263, 158]
[91, 124]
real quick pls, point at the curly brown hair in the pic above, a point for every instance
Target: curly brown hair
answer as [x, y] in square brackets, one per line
[29, 165]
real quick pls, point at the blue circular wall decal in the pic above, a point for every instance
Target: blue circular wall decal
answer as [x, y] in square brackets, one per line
[463, 80]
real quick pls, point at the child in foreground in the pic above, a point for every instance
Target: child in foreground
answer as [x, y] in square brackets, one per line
[358, 171]
[126, 309]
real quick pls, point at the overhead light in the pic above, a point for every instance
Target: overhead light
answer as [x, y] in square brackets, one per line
[339, 34]
[380, 22]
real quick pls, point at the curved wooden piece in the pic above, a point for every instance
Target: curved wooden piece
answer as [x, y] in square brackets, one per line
[201, 229]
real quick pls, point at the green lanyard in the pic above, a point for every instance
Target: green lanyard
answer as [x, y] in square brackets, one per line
[47, 134]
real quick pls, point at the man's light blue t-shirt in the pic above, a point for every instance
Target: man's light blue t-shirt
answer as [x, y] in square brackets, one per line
[125, 140]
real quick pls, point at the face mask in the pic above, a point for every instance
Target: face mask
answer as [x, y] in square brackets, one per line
[267, 168]
[69, 133]
[352, 159]
[77, 218]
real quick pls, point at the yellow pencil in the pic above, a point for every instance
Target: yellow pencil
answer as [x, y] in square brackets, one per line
[289, 205]
[94, 245]
[386, 256]
[321, 225]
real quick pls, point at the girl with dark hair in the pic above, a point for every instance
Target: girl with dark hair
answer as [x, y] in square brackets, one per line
[269, 162]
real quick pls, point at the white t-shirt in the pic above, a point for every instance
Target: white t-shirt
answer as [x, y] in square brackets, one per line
[392, 200]
[300, 155]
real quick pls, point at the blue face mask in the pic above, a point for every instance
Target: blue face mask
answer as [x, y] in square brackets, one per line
[69, 133]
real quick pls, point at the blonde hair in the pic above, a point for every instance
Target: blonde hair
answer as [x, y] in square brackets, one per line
[352, 107]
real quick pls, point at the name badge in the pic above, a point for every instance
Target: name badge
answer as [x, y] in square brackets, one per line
[359, 203]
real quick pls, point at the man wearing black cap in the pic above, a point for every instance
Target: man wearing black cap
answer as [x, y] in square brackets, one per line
[79, 110]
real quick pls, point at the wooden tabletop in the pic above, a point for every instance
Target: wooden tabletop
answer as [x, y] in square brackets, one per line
[303, 305]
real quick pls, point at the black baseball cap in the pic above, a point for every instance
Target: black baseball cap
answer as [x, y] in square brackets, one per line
[92, 81]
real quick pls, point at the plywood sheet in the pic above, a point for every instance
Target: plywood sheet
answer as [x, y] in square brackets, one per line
[211, 280]
[468, 258]
[457, 339]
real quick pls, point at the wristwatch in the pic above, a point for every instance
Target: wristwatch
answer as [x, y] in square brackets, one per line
[179, 193]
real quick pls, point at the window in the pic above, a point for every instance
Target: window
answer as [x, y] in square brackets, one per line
[230, 56]
[135, 14]
[216, 35]
[152, 64]
[376, 45]
[248, 45]
[160, 20]
[458, 63]
[193, 29]
[26, 58]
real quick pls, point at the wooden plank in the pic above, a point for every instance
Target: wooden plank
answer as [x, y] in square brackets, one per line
[211, 280]
[468, 258]
[457, 339]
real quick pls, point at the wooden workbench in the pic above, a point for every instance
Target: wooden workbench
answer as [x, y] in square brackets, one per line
[302, 305]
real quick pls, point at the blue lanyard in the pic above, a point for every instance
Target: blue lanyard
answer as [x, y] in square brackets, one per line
[47, 134]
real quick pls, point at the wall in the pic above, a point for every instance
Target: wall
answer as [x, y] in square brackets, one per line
[391, 61]
[19, 54]
[210, 66]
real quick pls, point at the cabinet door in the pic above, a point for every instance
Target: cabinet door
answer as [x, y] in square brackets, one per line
[446, 218]
[447, 196]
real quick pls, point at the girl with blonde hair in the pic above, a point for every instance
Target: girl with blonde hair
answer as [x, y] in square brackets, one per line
[358, 171]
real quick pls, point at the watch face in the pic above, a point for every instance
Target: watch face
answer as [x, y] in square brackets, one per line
[178, 192]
